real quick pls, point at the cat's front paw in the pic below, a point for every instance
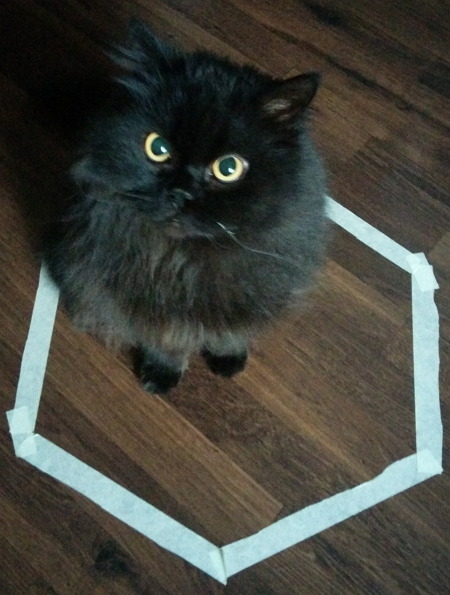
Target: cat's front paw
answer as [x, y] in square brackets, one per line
[225, 365]
[155, 376]
[156, 382]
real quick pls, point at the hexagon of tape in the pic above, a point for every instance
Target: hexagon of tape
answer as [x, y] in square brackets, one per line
[223, 562]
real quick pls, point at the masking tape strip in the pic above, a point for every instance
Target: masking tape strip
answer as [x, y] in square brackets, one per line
[175, 537]
[19, 421]
[396, 478]
[124, 505]
[21, 429]
[37, 347]
[368, 234]
[313, 519]
[429, 432]
[422, 272]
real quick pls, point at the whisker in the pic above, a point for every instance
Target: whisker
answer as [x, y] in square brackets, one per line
[127, 197]
[103, 200]
[131, 195]
[232, 235]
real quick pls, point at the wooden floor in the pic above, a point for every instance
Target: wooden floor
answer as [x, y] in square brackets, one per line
[326, 401]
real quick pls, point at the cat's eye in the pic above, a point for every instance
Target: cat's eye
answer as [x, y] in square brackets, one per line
[229, 168]
[157, 148]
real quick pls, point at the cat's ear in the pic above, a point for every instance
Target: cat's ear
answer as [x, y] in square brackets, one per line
[143, 49]
[142, 39]
[285, 103]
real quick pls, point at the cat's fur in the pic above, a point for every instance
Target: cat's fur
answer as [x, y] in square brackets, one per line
[237, 253]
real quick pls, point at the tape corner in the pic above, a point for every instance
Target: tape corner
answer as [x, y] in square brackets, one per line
[218, 561]
[428, 464]
[422, 271]
[19, 421]
[24, 445]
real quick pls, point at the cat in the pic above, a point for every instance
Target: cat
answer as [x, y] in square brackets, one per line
[199, 211]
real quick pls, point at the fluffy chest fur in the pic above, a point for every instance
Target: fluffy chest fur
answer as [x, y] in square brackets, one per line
[217, 284]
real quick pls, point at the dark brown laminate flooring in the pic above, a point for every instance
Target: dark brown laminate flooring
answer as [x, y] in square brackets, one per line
[327, 399]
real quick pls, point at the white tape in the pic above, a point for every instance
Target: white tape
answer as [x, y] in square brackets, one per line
[221, 563]
[218, 561]
[26, 448]
[19, 421]
[422, 271]
[427, 463]
[305, 523]
[127, 507]
[429, 432]
[35, 354]
[368, 234]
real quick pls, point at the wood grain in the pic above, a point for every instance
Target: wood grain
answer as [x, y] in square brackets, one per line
[326, 401]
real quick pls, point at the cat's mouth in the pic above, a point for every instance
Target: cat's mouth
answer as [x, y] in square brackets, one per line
[175, 223]
[186, 226]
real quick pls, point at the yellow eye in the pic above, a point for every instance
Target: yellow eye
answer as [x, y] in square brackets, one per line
[157, 148]
[229, 168]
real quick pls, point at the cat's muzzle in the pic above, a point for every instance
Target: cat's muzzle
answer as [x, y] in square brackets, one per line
[178, 197]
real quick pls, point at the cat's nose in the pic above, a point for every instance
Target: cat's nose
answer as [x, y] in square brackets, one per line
[178, 196]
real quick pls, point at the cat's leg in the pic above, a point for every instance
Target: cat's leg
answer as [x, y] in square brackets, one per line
[226, 354]
[157, 371]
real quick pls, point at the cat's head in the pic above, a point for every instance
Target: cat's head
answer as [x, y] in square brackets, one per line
[194, 142]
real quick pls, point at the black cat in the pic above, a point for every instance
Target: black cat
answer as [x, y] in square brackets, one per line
[200, 210]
